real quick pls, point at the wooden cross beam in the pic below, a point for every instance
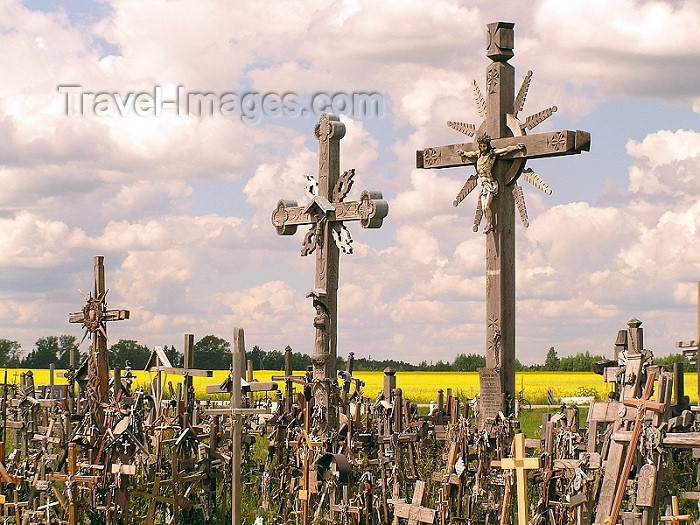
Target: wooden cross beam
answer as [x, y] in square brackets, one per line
[326, 213]
[414, 512]
[94, 318]
[499, 164]
[520, 464]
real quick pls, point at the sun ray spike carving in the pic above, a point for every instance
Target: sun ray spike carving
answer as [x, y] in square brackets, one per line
[534, 179]
[522, 94]
[520, 203]
[479, 98]
[477, 216]
[466, 189]
[343, 185]
[539, 117]
[463, 127]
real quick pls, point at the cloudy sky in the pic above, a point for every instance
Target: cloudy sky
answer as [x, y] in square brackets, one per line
[179, 204]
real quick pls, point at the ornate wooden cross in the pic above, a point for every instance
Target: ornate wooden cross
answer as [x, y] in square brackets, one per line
[520, 464]
[326, 213]
[94, 317]
[500, 194]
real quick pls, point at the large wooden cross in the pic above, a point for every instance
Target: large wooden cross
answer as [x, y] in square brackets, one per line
[326, 214]
[520, 464]
[511, 148]
[94, 317]
[642, 405]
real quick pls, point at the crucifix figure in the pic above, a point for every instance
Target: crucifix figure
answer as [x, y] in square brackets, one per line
[94, 317]
[327, 236]
[500, 154]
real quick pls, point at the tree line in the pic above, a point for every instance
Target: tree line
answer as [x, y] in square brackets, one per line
[214, 353]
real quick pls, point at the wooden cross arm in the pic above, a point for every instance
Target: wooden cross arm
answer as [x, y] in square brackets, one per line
[288, 215]
[654, 406]
[109, 315]
[552, 144]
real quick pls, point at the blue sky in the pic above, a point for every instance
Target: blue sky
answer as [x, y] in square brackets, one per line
[180, 206]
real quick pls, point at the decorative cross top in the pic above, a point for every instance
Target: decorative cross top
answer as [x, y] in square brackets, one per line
[520, 464]
[500, 153]
[326, 214]
[94, 317]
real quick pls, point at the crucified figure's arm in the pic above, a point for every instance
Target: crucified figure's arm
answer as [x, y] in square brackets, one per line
[508, 149]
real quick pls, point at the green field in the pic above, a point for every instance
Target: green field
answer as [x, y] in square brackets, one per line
[419, 387]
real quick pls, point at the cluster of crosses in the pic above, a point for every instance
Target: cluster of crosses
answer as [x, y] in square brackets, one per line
[118, 454]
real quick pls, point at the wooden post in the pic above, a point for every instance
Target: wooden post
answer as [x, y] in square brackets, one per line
[389, 382]
[236, 425]
[288, 384]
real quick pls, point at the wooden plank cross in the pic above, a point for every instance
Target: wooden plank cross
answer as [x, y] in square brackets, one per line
[501, 136]
[675, 517]
[94, 317]
[414, 512]
[520, 464]
[642, 405]
[326, 214]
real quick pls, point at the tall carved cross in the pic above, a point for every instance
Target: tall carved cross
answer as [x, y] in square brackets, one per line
[498, 171]
[94, 318]
[326, 214]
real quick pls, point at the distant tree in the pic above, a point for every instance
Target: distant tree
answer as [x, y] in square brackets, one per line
[519, 367]
[258, 357]
[300, 361]
[9, 353]
[668, 361]
[66, 344]
[552, 360]
[176, 358]
[128, 350]
[45, 352]
[212, 353]
[273, 360]
[468, 363]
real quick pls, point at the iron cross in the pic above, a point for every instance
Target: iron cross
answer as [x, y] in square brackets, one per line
[499, 165]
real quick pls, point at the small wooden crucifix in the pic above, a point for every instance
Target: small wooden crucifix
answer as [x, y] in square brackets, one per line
[326, 214]
[500, 153]
[520, 464]
[94, 317]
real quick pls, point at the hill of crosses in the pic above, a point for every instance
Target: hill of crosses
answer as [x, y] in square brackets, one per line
[312, 446]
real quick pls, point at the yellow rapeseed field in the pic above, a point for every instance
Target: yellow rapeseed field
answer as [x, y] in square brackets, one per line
[419, 387]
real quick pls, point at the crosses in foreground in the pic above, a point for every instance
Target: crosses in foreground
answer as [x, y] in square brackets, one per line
[327, 236]
[500, 154]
